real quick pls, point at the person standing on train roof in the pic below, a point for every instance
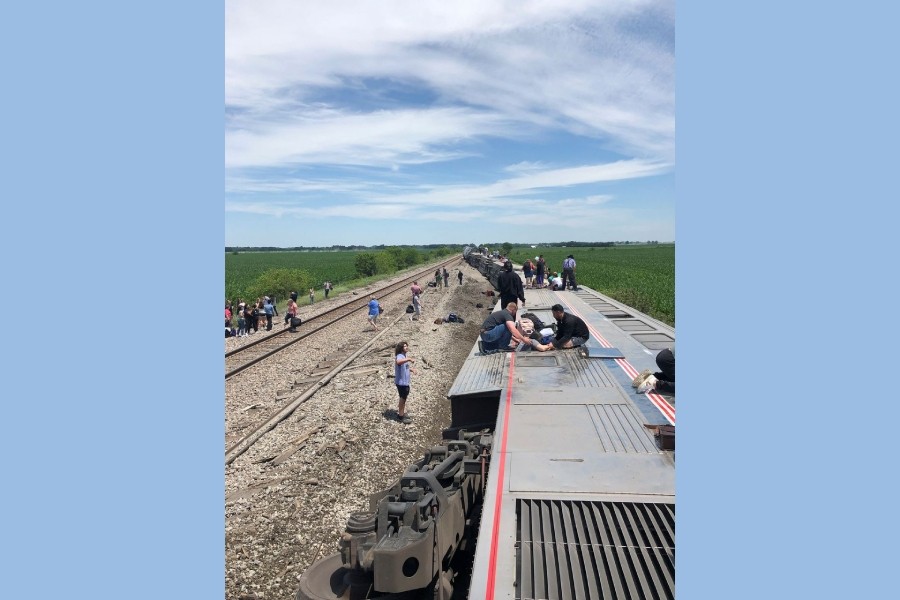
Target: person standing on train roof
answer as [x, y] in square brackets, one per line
[499, 329]
[402, 369]
[528, 271]
[541, 269]
[571, 331]
[510, 286]
[569, 273]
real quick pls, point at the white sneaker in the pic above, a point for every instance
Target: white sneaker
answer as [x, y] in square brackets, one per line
[647, 385]
[641, 377]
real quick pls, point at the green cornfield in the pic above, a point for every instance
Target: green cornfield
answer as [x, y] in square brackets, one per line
[640, 276]
[245, 267]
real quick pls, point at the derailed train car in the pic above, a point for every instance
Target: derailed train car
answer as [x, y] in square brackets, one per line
[555, 479]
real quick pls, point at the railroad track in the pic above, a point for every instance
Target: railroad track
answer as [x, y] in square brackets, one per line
[250, 354]
[334, 364]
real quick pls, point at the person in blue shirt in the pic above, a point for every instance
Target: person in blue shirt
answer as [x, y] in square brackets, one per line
[402, 368]
[270, 312]
[374, 311]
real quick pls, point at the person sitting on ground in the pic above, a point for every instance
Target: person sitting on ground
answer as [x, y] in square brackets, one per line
[661, 381]
[499, 329]
[571, 331]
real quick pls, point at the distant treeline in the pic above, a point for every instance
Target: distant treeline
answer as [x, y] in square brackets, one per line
[335, 248]
[338, 248]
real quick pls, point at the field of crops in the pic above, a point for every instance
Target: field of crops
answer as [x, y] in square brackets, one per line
[639, 276]
[242, 268]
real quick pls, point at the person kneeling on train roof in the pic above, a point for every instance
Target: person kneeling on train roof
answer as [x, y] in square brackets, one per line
[571, 331]
[661, 381]
[499, 329]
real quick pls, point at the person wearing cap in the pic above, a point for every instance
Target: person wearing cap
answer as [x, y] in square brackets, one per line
[571, 331]
[510, 286]
[569, 273]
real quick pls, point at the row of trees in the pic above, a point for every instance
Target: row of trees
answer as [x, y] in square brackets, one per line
[280, 282]
[506, 247]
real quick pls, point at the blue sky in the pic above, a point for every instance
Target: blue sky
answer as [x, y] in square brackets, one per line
[430, 122]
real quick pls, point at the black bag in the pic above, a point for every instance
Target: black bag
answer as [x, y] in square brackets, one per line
[296, 321]
[538, 324]
[452, 318]
[410, 309]
[665, 437]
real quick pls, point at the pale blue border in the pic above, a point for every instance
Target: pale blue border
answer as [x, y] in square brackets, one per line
[787, 132]
[112, 154]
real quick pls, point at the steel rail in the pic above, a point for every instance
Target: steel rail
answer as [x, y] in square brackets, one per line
[241, 446]
[343, 310]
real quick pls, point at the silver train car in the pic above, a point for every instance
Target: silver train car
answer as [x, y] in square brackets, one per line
[557, 477]
[580, 498]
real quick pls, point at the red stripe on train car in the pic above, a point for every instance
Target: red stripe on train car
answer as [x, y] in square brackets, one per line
[492, 560]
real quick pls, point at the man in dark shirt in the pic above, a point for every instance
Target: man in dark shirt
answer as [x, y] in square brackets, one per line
[499, 329]
[510, 286]
[571, 331]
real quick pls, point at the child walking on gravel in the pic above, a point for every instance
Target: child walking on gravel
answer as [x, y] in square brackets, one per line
[402, 367]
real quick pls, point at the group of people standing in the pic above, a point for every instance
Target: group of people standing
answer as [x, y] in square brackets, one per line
[536, 271]
[250, 316]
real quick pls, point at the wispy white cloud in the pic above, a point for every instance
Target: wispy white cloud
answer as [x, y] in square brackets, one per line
[377, 138]
[332, 110]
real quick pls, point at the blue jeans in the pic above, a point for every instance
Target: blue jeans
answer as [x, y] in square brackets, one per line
[496, 338]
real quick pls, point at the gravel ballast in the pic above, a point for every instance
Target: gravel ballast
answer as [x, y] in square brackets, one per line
[288, 496]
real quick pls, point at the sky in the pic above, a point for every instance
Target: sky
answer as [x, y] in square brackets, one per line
[431, 122]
